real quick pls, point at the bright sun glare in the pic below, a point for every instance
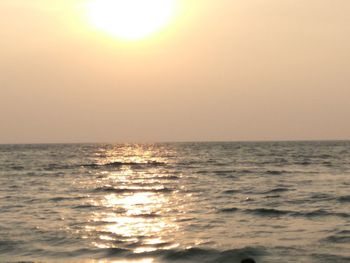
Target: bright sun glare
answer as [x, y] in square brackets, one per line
[130, 19]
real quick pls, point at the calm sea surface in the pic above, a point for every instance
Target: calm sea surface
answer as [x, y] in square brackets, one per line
[176, 202]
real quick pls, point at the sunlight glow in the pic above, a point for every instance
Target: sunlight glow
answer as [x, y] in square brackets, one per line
[130, 19]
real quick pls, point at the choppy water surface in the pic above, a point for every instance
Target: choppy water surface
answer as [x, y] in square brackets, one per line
[181, 202]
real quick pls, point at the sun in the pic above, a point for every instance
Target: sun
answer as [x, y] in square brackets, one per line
[130, 19]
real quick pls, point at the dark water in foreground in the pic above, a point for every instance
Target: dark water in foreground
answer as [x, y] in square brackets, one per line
[181, 202]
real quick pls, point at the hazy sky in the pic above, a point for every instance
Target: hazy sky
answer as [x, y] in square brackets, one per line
[222, 70]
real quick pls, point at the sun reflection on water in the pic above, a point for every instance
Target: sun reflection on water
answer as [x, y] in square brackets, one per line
[135, 206]
[137, 222]
[132, 154]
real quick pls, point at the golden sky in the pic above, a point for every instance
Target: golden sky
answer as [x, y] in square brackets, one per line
[215, 70]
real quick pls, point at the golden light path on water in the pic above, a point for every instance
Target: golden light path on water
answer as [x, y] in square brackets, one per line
[137, 205]
[135, 223]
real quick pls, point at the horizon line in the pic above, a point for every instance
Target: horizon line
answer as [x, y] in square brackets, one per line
[185, 141]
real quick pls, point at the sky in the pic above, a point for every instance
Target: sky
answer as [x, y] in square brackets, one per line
[220, 70]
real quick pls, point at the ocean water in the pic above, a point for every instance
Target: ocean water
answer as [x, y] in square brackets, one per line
[175, 202]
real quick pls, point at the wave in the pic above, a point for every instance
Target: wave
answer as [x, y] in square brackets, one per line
[224, 172]
[61, 198]
[120, 164]
[339, 237]
[195, 254]
[246, 171]
[231, 191]
[16, 167]
[230, 210]
[323, 213]
[272, 196]
[86, 206]
[9, 245]
[277, 190]
[277, 212]
[275, 172]
[108, 188]
[146, 215]
[257, 211]
[327, 164]
[344, 199]
[56, 166]
[171, 177]
[303, 163]
[235, 173]
[267, 212]
[322, 196]
[159, 178]
[330, 258]
[211, 255]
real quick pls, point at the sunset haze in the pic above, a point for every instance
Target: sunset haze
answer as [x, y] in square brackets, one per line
[217, 71]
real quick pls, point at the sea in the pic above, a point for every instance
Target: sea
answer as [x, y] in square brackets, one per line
[176, 202]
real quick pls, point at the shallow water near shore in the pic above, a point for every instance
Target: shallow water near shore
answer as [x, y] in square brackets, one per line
[175, 202]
